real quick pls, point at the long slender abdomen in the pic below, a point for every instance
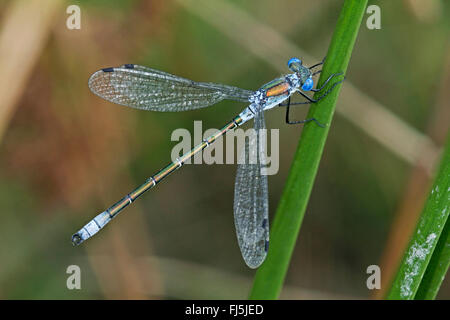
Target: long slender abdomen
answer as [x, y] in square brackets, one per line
[93, 226]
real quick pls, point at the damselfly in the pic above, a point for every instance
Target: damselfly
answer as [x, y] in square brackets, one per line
[148, 89]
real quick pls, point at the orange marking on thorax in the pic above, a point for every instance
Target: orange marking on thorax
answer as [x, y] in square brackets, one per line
[278, 89]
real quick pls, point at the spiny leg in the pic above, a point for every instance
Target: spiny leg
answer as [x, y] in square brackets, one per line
[328, 80]
[301, 121]
[329, 90]
[318, 64]
[311, 100]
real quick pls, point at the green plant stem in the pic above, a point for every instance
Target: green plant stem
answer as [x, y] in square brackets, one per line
[437, 268]
[427, 257]
[288, 218]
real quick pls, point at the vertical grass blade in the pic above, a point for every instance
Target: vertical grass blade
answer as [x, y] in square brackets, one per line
[288, 218]
[427, 257]
[437, 268]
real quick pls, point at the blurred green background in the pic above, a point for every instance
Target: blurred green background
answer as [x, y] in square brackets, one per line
[66, 155]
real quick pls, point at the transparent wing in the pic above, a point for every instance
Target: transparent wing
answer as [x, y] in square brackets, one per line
[148, 89]
[251, 205]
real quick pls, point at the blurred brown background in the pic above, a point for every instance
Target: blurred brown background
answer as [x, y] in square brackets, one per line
[66, 155]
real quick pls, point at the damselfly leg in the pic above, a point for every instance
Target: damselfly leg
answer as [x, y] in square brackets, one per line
[318, 64]
[300, 121]
[312, 100]
[326, 82]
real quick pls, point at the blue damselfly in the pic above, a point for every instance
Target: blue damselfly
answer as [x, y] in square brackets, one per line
[148, 89]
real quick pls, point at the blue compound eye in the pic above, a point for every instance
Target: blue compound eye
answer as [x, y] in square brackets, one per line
[308, 85]
[294, 64]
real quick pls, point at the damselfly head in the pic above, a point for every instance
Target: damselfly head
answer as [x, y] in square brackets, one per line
[303, 73]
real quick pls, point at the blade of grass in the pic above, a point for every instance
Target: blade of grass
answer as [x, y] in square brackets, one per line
[437, 268]
[288, 218]
[427, 258]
